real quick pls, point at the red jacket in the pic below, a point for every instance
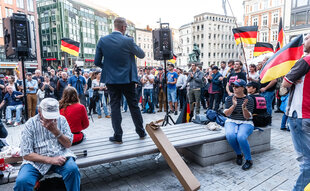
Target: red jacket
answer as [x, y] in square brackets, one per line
[77, 118]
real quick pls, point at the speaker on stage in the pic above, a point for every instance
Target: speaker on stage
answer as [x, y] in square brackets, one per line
[16, 36]
[162, 43]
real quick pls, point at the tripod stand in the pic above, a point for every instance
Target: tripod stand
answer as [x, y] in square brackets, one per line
[167, 116]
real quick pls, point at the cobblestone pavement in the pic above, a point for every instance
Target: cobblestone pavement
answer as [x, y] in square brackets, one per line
[276, 169]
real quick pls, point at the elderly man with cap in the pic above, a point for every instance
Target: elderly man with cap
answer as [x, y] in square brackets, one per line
[31, 91]
[46, 138]
[239, 126]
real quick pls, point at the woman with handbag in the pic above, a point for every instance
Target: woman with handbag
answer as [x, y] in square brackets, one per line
[75, 113]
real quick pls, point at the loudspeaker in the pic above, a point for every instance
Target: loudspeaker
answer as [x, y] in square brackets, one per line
[162, 43]
[16, 32]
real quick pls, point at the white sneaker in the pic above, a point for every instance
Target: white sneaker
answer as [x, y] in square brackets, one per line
[9, 122]
[16, 124]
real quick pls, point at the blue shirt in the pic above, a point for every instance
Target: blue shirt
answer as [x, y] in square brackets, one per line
[11, 99]
[78, 85]
[32, 83]
[170, 77]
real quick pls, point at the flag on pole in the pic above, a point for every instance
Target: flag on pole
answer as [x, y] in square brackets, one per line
[262, 48]
[185, 115]
[173, 60]
[247, 34]
[281, 63]
[70, 46]
[280, 36]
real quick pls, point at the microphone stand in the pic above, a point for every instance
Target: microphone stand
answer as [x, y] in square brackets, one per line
[167, 116]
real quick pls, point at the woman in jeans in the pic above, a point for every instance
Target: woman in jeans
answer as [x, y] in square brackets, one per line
[239, 126]
[97, 95]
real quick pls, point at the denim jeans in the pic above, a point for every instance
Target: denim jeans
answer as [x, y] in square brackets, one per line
[269, 96]
[125, 105]
[172, 95]
[104, 105]
[148, 97]
[28, 176]
[283, 122]
[237, 136]
[17, 108]
[300, 131]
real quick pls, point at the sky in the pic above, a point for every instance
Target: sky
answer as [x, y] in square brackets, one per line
[174, 12]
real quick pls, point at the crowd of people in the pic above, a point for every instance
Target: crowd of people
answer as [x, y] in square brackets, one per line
[58, 104]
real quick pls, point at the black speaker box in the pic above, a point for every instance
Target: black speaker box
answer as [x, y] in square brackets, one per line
[162, 43]
[16, 36]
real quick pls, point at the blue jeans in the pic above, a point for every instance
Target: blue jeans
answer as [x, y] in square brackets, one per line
[11, 108]
[148, 97]
[300, 131]
[283, 122]
[104, 105]
[269, 96]
[28, 176]
[125, 105]
[237, 136]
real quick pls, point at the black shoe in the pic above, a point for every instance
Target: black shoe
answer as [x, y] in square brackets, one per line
[279, 111]
[247, 165]
[283, 129]
[112, 139]
[176, 112]
[288, 129]
[239, 160]
[144, 136]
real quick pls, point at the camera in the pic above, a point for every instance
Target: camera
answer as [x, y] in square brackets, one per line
[77, 70]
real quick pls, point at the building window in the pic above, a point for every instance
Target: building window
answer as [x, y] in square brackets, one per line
[8, 12]
[264, 37]
[274, 35]
[301, 18]
[20, 3]
[292, 19]
[255, 7]
[8, 2]
[275, 18]
[255, 21]
[300, 3]
[275, 3]
[265, 20]
[265, 4]
[30, 5]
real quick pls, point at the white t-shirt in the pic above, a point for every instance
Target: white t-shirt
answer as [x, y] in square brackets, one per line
[95, 84]
[254, 76]
[148, 85]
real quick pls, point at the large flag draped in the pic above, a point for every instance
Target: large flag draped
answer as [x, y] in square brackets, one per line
[280, 37]
[281, 63]
[262, 48]
[70, 46]
[246, 34]
[173, 60]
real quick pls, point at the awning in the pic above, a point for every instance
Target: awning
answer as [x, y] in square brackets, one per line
[12, 65]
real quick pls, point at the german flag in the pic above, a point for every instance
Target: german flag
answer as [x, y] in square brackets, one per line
[281, 63]
[70, 46]
[246, 34]
[280, 36]
[262, 48]
[173, 60]
[185, 115]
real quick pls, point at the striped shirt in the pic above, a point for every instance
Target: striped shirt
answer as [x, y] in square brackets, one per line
[237, 114]
[37, 139]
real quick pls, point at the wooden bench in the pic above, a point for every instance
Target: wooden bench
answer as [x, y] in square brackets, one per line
[190, 138]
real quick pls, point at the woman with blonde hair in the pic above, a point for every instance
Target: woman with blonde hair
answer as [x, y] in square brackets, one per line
[75, 113]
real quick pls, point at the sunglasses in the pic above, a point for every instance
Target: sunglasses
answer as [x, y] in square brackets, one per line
[234, 86]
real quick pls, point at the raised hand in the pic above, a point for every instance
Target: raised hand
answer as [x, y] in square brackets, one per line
[245, 102]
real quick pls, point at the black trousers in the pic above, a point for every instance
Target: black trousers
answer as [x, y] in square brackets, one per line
[116, 91]
[214, 99]
[182, 97]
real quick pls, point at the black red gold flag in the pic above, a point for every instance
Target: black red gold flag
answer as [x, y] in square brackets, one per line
[262, 48]
[70, 46]
[247, 34]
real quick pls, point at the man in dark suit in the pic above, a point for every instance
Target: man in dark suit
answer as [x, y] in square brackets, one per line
[119, 73]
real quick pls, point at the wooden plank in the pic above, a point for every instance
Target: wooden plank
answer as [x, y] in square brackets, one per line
[174, 160]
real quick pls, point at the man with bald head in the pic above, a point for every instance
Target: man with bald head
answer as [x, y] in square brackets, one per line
[119, 73]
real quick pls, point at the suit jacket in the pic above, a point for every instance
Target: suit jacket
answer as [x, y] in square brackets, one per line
[118, 53]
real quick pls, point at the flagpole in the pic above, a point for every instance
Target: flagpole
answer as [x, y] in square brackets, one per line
[247, 72]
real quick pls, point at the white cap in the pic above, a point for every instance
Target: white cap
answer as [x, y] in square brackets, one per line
[50, 108]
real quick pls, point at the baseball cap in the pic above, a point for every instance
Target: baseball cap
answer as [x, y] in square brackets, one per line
[159, 68]
[50, 108]
[240, 82]
[253, 84]
[28, 73]
[215, 68]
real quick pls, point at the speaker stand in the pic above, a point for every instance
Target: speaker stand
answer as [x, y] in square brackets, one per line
[22, 59]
